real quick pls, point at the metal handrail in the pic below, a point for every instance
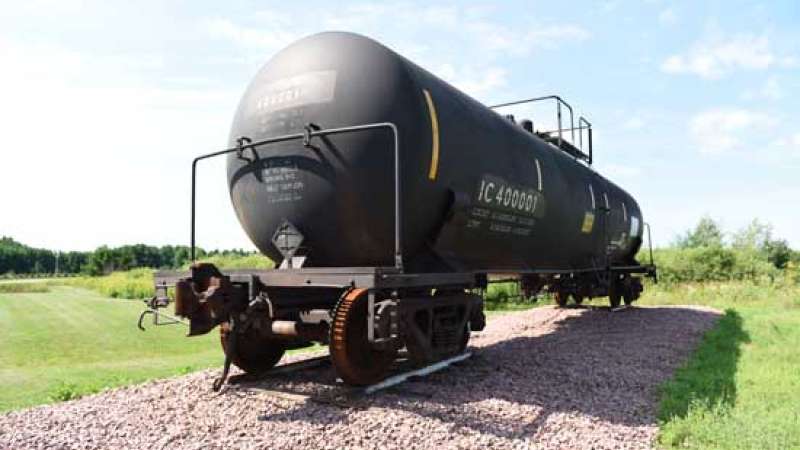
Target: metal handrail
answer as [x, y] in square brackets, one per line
[559, 102]
[652, 271]
[245, 143]
[581, 121]
[563, 129]
[649, 243]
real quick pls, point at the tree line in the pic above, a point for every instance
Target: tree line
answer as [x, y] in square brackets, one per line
[703, 253]
[707, 253]
[19, 259]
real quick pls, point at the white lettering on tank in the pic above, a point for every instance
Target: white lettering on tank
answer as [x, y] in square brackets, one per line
[488, 195]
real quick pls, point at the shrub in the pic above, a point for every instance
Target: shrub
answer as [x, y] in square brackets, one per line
[134, 284]
[138, 283]
[250, 261]
[792, 273]
[502, 292]
[711, 263]
[64, 392]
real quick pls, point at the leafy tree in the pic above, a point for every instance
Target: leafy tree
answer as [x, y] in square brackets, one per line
[707, 233]
[779, 253]
[755, 236]
[18, 258]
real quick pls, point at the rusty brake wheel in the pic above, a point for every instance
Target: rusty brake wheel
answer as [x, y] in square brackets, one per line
[354, 359]
[254, 354]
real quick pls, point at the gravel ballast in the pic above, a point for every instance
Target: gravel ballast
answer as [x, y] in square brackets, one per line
[543, 378]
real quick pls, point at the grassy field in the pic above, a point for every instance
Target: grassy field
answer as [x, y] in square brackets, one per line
[741, 389]
[71, 341]
[64, 341]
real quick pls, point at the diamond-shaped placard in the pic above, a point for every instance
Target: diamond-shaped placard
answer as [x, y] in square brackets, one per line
[287, 239]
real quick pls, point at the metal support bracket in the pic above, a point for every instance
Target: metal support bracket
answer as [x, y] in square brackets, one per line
[230, 351]
[153, 307]
[394, 328]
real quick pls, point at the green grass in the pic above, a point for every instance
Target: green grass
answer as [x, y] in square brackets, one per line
[23, 280]
[71, 342]
[741, 388]
[22, 288]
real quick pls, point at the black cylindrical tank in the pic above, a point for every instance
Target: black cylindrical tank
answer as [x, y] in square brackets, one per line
[478, 191]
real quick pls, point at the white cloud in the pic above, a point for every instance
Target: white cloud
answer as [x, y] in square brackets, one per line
[720, 130]
[273, 35]
[770, 90]
[472, 81]
[716, 56]
[469, 41]
[667, 17]
[455, 27]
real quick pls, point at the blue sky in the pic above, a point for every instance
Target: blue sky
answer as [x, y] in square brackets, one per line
[103, 104]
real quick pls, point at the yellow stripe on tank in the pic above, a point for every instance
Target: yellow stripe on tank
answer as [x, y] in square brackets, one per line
[435, 131]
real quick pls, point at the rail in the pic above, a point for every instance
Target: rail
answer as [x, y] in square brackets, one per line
[559, 102]
[245, 143]
[569, 147]
[582, 120]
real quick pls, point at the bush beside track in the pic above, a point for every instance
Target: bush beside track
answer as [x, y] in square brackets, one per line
[138, 283]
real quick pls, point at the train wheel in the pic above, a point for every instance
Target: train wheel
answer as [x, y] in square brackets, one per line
[354, 359]
[254, 354]
[561, 298]
[578, 298]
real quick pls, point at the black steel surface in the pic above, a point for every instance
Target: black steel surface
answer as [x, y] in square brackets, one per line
[479, 193]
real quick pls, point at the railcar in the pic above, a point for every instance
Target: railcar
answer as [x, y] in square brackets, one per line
[389, 200]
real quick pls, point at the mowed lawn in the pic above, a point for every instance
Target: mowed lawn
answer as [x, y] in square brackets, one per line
[70, 342]
[741, 388]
